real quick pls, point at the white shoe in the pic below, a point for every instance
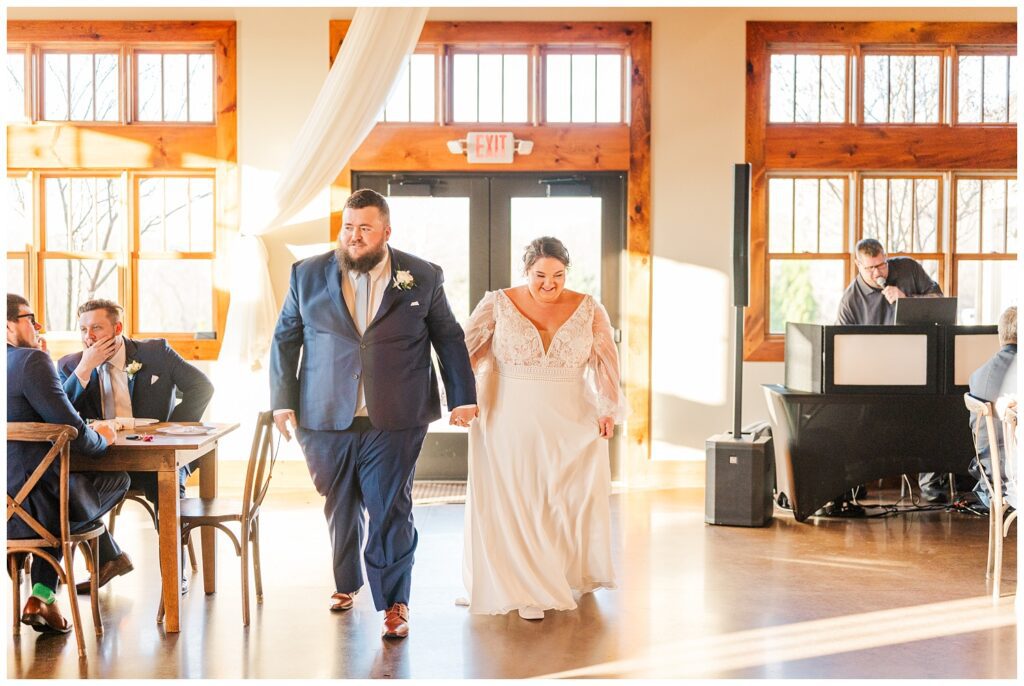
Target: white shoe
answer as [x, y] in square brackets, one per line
[531, 613]
[462, 602]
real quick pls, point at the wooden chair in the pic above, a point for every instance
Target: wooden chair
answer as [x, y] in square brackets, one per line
[139, 496]
[218, 512]
[60, 436]
[998, 522]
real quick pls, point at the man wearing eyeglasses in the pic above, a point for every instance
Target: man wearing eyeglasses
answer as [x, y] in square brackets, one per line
[870, 300]
[34, 394]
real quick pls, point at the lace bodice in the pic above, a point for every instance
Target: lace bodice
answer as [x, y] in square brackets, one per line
[497, 331]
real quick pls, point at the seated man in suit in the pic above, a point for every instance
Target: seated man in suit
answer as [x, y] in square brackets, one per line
[993, 380]
[34, 394]
[116, 376]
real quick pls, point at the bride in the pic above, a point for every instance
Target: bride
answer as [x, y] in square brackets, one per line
[537, 514]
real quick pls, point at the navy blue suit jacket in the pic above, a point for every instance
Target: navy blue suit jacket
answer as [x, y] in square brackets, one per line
[151, 399]
[34, 394]
[392, 356]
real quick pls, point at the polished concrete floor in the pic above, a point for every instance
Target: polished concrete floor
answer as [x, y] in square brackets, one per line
[895, 597]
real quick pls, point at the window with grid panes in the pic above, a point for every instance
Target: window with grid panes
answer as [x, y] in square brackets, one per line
[575, 87]
[806, 233]
[904, 194]
[144, 235]
[412, 99]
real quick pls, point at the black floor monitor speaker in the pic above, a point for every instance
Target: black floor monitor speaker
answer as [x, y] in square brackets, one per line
[740, 478]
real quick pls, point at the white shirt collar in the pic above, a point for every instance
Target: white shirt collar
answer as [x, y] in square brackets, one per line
[117, 360]
[384, 266]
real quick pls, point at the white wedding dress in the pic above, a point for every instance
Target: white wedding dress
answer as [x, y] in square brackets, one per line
[537, 522]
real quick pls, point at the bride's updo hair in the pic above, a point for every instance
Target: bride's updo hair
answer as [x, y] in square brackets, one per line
[545, 246]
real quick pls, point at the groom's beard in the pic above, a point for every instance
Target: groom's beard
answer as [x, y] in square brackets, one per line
[360, 264]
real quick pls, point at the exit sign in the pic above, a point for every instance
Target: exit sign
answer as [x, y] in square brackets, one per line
[490, 147]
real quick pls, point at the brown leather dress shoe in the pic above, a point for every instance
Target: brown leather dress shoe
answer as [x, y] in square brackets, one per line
[396, 621]
[122, 564]
[342, 601]
[43, 617]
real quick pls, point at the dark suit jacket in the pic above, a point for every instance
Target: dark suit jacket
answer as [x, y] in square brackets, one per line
[34, 394]
[392, 356]
[153, 399]
[988, 382]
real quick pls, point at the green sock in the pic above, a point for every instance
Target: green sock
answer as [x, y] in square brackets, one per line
[44, 593]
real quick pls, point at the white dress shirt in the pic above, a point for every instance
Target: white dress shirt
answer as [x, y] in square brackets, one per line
[380, 278]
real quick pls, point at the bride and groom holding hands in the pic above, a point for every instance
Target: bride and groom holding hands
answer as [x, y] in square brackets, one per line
[534, 376]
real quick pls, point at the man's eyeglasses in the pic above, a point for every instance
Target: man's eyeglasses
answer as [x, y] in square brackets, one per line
[31, 318]
[873, 267]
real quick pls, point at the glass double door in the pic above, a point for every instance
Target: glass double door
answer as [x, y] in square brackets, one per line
[476, 228]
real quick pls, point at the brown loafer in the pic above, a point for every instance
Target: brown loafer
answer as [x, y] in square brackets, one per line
[120, 565]
[342, 601]
[396, 621]
[43, 617]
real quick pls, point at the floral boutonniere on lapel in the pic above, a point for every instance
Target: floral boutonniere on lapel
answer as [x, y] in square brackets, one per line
[403, 280]
[133, 368]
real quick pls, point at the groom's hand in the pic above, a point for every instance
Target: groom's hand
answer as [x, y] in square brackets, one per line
[281, 419]
[462, 415]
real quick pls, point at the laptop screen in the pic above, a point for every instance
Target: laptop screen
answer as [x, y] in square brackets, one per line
[926, 311]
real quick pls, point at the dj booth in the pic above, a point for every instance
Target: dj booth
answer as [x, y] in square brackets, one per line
[865, 402]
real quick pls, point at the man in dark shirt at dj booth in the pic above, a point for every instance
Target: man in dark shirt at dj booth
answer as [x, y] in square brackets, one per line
[870, 300]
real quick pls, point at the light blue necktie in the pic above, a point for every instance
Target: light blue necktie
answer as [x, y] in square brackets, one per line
[362, 301]
[107, 391]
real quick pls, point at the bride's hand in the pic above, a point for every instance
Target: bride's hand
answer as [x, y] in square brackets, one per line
[463, 415]
[605, 427]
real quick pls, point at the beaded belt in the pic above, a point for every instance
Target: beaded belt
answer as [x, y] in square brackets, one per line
[513, 371]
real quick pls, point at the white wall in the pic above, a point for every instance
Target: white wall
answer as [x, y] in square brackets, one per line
[698, 105]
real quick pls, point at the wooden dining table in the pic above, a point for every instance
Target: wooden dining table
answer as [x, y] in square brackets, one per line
[165, 454]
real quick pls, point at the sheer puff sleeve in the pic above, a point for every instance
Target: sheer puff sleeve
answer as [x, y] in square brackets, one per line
[604, 363]
[479, 330]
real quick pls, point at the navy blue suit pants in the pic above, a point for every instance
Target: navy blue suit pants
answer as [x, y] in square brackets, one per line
[363, 469]
[82, 513]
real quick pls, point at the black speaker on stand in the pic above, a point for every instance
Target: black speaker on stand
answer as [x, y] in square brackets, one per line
[740, 472]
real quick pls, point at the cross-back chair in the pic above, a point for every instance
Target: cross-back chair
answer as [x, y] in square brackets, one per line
[219, 512]
[60, 436]
[998, 522]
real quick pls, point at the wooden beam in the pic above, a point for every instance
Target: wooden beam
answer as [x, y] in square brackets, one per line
[910, 147]
[411, 147]
[158, 32]
[83, 146]
[883, 32]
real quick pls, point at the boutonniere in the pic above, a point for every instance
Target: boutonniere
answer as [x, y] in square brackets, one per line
[404, 280]
[133, 368]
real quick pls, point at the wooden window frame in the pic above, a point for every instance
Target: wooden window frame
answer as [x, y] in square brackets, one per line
[448, 85]
[809, 49]
[955, 255]
[545, 51]
[38, 54]
[128, 147]
[976, 51]
[904, 51]
[575, 147]
[167, 49]
[809, 256]
[851, 147]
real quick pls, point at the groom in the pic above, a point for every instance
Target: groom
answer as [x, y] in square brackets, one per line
[364, 317]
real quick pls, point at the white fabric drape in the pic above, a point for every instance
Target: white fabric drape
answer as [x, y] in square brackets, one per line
[356, 89]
